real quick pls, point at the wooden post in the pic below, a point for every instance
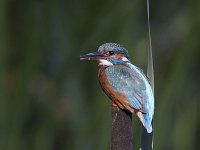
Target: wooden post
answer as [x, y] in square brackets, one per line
[122, 135]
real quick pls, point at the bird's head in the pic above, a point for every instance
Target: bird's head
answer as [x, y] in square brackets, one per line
[108, 54]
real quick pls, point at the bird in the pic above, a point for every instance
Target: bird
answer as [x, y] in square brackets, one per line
[124, 83]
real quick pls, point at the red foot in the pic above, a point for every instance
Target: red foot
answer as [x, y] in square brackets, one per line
[114, 105]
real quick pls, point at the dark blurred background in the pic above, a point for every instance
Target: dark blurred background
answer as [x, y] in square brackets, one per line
[50, 100]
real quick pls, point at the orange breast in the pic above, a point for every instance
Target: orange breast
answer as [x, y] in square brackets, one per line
[115, 96]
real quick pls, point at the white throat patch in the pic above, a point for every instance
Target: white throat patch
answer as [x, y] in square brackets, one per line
[124, 59]
[103, 62]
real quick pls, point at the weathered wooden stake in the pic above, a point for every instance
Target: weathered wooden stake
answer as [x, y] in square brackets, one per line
[122, 135]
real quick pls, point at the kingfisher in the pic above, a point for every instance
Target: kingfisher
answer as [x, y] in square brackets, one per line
[124, 83]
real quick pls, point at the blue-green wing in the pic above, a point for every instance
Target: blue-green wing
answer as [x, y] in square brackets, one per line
[129, 83]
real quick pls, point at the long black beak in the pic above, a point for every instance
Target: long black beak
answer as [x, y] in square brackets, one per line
[92, 56]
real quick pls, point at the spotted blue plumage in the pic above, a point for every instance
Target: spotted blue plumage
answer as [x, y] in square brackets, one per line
[116, 48]
[130, 81]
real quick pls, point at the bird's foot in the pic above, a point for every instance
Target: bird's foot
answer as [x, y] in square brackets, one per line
[114, 105]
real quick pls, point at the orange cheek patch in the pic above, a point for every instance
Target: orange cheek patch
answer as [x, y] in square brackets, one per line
[115, 96]
[119, 56]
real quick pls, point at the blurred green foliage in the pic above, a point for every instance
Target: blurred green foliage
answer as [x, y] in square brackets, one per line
[49, 100]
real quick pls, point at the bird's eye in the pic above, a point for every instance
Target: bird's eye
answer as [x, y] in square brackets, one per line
[111, 52]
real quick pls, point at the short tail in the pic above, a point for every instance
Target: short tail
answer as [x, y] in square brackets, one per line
[146, 121]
